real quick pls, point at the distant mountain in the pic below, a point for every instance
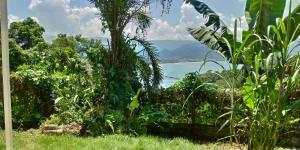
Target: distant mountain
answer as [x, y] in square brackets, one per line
[178, 51]
[171, 51]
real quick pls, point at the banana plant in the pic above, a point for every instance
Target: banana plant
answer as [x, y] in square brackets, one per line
[259, 15]
[213, 30]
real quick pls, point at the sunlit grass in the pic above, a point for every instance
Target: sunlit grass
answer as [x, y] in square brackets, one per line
[27, 141]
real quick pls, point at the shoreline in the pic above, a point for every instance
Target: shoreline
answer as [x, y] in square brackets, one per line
[186, 62]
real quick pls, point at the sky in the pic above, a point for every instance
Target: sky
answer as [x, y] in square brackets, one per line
[80, 17]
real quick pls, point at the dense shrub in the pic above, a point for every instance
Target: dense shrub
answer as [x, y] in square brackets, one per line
[216, 78]
[99, 122]
[192, 100]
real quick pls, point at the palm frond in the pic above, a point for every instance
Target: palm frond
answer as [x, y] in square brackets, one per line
[143, 20]
[144, 70]
[153, 58]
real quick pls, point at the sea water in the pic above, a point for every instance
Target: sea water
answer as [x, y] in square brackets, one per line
[174, 72]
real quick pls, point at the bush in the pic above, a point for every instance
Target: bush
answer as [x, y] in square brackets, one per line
[36, 104]
[213, 77]
[133, 121]
[99, 122]
[192, 100]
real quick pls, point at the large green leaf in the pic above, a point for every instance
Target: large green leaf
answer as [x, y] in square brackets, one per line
[207, 36]
[135, 101]
[293, 106]
[214, 29]
[213, 18]
[248, 93]
[261, 13]
[213, 39]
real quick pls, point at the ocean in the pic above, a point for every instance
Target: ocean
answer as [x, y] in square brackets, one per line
[174, 72]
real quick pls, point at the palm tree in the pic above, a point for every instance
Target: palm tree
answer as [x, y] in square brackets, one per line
[115, 16]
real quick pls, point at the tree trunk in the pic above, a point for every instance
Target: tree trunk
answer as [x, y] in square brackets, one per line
[193, 114]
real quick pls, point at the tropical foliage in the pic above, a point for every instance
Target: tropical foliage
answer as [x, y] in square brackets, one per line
[121, 61]
[272, 77]
[259, 15]
[270, 113]
[114, 87]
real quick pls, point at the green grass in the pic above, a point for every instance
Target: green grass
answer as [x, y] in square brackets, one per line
[27, 141]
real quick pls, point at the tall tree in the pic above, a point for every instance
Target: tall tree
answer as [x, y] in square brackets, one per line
[120, 65]
[27, 33]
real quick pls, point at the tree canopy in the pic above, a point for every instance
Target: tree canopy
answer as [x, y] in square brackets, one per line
[27, 33]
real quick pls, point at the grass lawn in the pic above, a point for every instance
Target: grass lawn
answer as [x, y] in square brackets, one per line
[27, 141]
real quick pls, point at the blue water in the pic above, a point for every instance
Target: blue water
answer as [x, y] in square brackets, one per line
[174, 72]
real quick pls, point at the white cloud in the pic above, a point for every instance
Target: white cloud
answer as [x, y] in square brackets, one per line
[230, 21]
[82, 12]
[13, 18]
[34, 3]
[162, 30]
[92, 28]
[35, 19]
[58, 16]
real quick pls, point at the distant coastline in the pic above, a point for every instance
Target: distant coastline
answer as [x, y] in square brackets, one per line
[172, 61]
[179, 61]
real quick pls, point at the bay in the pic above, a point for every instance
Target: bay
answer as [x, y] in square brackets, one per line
[174, 72]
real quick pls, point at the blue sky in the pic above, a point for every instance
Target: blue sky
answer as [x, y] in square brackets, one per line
[79, 17]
